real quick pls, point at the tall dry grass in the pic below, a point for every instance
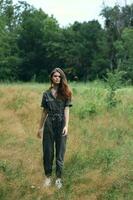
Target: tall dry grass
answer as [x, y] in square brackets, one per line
[98, 161]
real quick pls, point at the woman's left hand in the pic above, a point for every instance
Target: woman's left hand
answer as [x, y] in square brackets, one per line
[65, 131]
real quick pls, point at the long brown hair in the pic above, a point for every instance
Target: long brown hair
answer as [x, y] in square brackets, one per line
[64, 91]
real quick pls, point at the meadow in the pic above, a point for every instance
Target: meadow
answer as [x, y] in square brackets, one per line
[99, 157]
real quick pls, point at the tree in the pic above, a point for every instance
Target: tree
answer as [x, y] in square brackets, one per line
[9, 59]
[83, 50]
[127, 60]
[38, 43]
[116, 20]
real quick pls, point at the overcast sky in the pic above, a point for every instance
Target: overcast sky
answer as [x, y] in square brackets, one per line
[68, 11]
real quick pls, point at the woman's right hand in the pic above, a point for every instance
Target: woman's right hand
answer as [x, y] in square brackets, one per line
[40, 133]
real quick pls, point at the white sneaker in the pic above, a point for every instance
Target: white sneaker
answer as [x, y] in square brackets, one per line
[58, 183]
[47, 182]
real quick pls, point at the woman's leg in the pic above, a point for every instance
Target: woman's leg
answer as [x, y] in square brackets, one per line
[48, 154]
[60, 152]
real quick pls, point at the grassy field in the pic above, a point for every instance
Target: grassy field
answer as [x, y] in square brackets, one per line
[99, 157]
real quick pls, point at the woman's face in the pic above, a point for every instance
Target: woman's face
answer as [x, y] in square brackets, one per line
[56, 78]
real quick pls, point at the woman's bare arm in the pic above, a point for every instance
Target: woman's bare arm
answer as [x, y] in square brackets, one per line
[66, 114]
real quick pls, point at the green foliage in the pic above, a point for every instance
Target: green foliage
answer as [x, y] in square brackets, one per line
[105, 159]
[118, 24]
[122, 189]
[111, 99]
[88, 110]
[43, 76]
[10, 171]
[127, 60]
[32, 44]
[84, 50]
[4, 192]
[114, 81]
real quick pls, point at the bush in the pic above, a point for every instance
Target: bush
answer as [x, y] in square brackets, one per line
[114, 81]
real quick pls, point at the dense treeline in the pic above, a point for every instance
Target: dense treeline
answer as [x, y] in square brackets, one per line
[32, 43]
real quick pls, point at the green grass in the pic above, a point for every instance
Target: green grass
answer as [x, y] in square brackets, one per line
[98, 160]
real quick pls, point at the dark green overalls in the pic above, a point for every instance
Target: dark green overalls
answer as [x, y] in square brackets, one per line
[52, 134]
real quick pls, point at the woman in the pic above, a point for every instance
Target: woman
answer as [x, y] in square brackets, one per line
[54, 124]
